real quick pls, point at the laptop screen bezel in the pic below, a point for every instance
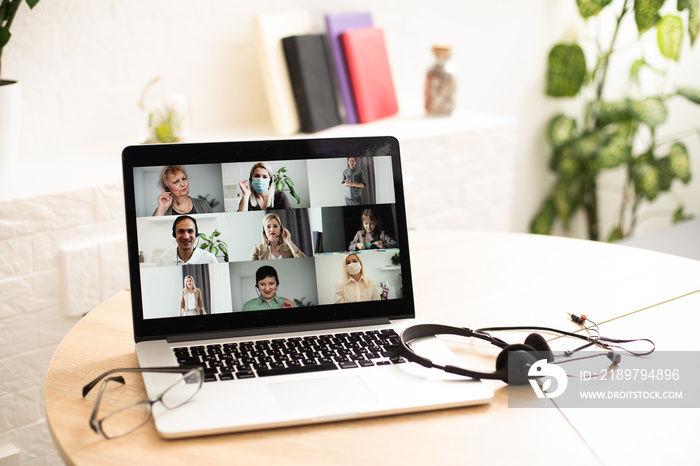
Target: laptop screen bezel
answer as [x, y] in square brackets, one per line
[253, 151]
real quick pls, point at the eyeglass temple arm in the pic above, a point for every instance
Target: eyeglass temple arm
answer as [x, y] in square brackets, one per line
[181, 370]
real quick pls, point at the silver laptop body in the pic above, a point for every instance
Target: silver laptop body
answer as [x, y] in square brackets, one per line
[237, 331]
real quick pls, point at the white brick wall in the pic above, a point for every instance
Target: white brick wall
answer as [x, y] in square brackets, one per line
[33, 320]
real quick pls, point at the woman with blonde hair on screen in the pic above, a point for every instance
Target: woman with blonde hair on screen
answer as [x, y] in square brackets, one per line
[355, 286]
[277, 241]
[259, 191]
[191, 303]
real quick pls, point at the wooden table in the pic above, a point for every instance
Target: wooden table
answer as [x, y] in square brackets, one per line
[462, 278]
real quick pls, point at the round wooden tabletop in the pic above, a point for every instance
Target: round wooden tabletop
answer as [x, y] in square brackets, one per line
[460, 278]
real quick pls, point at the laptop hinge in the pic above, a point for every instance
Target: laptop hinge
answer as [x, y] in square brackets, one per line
[274, 330]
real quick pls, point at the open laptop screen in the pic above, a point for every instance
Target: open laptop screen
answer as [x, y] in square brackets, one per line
[257, 235]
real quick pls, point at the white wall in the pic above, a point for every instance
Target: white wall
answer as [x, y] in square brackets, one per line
[83, 65]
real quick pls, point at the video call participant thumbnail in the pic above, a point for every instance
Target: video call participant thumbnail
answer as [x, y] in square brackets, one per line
[191, 303]
[259, 191]
[355, 286]
[266, 283]
[371, 236]
[174, 198]
[354, 181]
[186, 233]
[276, 241]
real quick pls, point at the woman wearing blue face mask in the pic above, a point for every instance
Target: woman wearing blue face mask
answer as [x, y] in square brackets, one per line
[259, 191]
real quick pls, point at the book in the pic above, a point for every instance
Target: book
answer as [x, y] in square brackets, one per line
[370, 73]
[269, 30]
[336, 24]
[312, 81]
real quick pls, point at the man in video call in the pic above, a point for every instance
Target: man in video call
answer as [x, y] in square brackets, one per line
[354, 182]
[185, 233]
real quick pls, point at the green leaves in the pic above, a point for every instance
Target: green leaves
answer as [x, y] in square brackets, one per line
[4, 36]
[8, 9]
[560, 130]
[650, 111]
[544, 219]
[565, 201]
[588, 8]
[213, 244]
[290, 184]
[670, 36]
[616, 152]
[606, 135]
[606, 113]
[646, 181]
[693, 21]
[693, 17]
[680, 162]
[281, 179]
[669, 28]
[690, 93]
[652, 176]
[566, 70]
[646, 14]
[680, 216]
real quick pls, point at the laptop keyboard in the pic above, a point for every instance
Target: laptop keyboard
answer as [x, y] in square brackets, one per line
[281, 356]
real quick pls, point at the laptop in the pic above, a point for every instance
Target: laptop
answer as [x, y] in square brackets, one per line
[243, 259]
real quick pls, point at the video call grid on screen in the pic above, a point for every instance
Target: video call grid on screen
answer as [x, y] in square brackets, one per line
[321, 225]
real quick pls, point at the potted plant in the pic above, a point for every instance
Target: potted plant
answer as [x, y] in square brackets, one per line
[213, 244]
[620, 133]
[166, 113]
[10, 102]
[281, 180]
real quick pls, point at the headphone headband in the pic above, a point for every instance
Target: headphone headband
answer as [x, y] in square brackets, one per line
[428, 330]
[522, 355]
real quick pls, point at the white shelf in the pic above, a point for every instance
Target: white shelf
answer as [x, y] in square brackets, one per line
[473, 152]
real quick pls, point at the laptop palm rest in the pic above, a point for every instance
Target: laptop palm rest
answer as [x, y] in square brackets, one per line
[346, 393]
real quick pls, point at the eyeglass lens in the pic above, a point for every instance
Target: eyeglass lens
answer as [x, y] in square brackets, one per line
[126, 419]
[132, 416]
[182, 391]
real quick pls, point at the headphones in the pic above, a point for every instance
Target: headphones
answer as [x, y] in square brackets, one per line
[517, 357]
[185, 217]
[514, 361]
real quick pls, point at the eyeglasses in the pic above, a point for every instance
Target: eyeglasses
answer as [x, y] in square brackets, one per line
[128, 418]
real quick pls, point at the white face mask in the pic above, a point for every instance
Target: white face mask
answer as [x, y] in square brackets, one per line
[353, 268]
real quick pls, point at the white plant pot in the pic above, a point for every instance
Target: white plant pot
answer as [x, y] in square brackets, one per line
[10, 115]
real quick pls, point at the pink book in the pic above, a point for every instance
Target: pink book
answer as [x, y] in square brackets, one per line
[370, 73]
[336, 24]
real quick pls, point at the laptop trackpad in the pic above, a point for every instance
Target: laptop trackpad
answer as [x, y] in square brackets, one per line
[348, 393]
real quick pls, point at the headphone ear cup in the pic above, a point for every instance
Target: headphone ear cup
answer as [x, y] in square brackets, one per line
[521, 358]
[540, 345]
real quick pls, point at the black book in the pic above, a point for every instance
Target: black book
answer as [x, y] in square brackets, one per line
[312, 81]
